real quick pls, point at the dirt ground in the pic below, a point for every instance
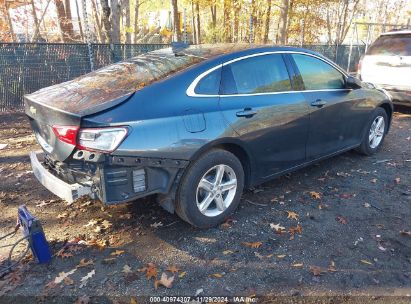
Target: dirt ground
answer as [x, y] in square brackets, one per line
[350, 236]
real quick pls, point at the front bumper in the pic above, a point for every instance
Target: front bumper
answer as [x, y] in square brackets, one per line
[66, 191]
[112, 179]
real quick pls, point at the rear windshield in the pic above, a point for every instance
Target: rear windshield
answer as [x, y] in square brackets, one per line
[399, 45]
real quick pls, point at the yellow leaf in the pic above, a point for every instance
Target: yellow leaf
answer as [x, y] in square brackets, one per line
[366, 262]
[315, 195]
[216, 275]
[133, 301]
[293, 215]
[252, 244]
[182, 274]
[281, 256]
[225, 252]
[117, 252]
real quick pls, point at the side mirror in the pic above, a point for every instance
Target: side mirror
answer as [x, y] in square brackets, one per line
[353, 83]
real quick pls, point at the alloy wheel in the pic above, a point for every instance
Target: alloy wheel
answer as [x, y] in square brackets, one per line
[376, 132]
[216, 190]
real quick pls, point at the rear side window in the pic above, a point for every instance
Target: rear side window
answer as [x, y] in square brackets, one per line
[260, 74]
[318, 75]
[209, 84]
[399, 45]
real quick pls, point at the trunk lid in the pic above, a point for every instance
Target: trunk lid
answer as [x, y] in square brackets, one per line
[67, 103]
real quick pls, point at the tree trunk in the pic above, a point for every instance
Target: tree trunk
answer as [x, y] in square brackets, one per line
[115, 20]
[267, 22]
[69, 19]
[136, 13]
[79, 21]
[105, 18]
[36, 20]
[198, 22]
[126, 9]
[65, 26]
[283, 23]
[227, 20]
[97, 21]
[237, 7]
[193, 24]
[176, 21]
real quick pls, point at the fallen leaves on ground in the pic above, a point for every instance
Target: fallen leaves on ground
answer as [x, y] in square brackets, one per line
[366, 262]
[156, 225]
[277, 227]
[341, 220]
[164, 281]
[280, 256]
[315, 195]
[216, 275]
[63, 275]
[332, 267]
[84, 280]
[225, 252]
[316, 270]
[173, 269]
[297, 265]
[293, 215]
[397, 180]
[117, 253]
[85, 263]
[126, 269]
[262, 257]
[150, 270]
[228, 223]
[293, 230]
[405, 232]
[252, 244]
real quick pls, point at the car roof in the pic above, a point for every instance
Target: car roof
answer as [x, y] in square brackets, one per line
[399, 32]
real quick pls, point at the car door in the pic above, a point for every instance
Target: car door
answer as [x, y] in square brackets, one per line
[334, 123]
[258, 101]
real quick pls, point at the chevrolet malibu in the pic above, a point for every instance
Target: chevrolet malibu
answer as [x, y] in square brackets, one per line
[192, 127]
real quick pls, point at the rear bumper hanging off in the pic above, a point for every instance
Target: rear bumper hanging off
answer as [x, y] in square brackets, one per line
[68, 192]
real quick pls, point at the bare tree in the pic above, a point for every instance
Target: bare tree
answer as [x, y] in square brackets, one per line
[66, 25]
[126, 9]
[283, 21]
[267, 22]
[198, 22]
[176, 21]
[105, 18]
[115, 21]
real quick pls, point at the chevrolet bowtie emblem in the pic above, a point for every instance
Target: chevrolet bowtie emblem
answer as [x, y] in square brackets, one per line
[33, 110]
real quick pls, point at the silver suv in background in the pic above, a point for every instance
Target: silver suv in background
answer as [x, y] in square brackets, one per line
[387, 64]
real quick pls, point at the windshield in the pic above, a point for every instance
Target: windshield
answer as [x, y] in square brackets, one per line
[392, 45]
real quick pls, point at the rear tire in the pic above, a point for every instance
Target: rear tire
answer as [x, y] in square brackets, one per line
[210, 189]
[374, 136]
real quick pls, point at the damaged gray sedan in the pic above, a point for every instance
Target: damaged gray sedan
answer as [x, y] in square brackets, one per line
[192, 127]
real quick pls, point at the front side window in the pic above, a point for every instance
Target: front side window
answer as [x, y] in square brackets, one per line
[317, 74]
[209, 84]
[260, 74]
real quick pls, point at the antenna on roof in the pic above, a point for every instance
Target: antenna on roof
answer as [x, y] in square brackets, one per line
[177, 47]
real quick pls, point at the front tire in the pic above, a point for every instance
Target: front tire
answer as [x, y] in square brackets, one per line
[211, 189]
[375, 134]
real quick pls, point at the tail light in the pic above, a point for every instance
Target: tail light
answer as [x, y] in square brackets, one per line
[101, 139]
[94, 139]
[67, 134]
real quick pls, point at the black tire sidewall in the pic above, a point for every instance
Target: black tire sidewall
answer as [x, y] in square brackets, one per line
[186, 197]
[365, 145]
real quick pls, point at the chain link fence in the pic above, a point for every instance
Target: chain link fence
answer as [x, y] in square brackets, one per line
[28, 67]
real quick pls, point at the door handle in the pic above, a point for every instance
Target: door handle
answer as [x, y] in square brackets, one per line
[318, 103]
[247, 113]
